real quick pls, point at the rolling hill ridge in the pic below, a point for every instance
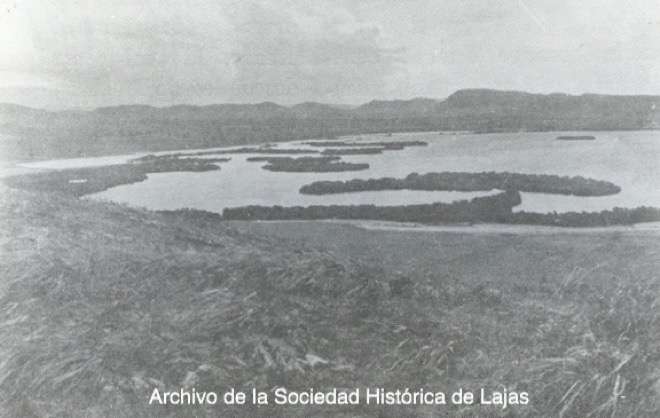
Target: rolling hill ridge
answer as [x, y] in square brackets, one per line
[35, 134]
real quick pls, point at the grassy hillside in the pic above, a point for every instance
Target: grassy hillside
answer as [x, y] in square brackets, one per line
[100, 303]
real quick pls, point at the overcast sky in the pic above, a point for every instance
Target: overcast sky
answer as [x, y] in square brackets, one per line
[65, 53]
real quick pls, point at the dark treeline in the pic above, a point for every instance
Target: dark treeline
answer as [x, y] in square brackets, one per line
[355, 151]
[494, 208]
[309, 164]
[244, 150]
[197, 215]
[176, 162]
[576, 137]
[458, 181]
[386, 144]
[490, 209]
[256, 150]
[325, 158]
[616, 216]
[82, 181]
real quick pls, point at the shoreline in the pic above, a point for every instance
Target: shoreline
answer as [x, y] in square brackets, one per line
[22, 163]
[605, 219]
[485, 228]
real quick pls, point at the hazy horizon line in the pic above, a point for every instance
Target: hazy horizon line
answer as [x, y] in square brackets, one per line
[339, 106]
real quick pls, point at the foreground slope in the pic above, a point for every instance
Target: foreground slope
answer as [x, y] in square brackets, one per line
[101, 303]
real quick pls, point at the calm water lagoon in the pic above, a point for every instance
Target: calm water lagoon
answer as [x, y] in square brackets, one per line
[628, 159]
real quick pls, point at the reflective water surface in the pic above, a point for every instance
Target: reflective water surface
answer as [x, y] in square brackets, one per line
[628, 159]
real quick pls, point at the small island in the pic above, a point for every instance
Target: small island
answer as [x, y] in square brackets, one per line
[468, 182]
[175, 162]
[82, 181]
[353, 151]
[383, 144]
[257, 150]
[494, 208]
[323, 164]
[576, 138]
[497, 208]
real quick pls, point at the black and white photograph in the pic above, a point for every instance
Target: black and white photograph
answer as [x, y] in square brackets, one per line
[352, 209]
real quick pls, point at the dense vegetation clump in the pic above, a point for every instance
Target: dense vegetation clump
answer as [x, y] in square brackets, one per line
[258, 150]
[490, 209]
[576, 137]
[243, 150]
[82, 181]
[308, 164]
[616, 216]
[447, 181]
[395, 145]
[176, 162]
[312, 164]
[322, 159]
[480, 209]
[354, 151]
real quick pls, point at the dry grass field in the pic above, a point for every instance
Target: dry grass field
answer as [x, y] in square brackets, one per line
[101, 303]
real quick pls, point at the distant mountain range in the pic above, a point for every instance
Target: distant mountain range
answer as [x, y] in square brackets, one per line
[27, 133]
